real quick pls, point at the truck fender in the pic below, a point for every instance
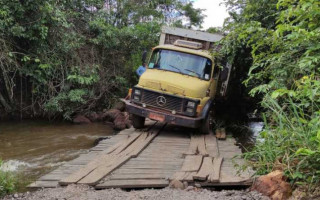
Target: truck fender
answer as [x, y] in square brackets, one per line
[206, 108]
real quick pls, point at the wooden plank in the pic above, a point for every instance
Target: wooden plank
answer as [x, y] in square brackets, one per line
[98, 161]
[52, 177]
[140, 183]
[205, 170]
[81, 173]
[192, 163]
[45, 184]
[99, 173]
[215, 175]
[127, 143]
[193, 147]
[155, 171]
[143, 145]
[212, 145]
[202, 146]
[178, 176]
[155, 162]
[139, 176]
[132, 151]
[189, 176]
[169, 167]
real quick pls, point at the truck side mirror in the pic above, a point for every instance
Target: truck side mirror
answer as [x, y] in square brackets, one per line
[224, 74]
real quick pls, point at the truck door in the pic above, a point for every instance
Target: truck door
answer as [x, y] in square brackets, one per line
[214, 80]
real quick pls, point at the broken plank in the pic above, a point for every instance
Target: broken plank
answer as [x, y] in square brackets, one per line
[192, 163]
[205, 170]
[215, 175]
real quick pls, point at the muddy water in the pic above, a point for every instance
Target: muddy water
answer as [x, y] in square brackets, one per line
[33, 148]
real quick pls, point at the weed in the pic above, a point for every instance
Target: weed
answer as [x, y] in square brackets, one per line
[8, 182]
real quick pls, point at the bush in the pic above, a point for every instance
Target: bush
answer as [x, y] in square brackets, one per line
[291, 140]
[7, 182]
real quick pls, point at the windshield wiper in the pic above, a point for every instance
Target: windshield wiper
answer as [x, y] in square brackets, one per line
[193, 72]
[175, 68]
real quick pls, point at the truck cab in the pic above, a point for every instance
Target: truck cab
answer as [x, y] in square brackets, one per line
[180, 84]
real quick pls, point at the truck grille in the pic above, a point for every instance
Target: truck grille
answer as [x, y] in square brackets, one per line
[171, 103]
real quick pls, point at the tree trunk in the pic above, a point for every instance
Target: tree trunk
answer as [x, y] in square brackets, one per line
[3, 102]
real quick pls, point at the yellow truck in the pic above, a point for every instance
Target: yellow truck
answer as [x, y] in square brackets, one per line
[181, 82]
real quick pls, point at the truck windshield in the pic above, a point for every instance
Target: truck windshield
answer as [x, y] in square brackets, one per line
[180, 62]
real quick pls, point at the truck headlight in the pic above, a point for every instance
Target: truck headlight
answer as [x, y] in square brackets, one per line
[137, 92]
[189, 110]
[191, 104]
[136, 98]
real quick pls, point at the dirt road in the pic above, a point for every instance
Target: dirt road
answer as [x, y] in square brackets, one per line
[74, 192]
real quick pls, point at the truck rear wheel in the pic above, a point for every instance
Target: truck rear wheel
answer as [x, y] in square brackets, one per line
[138, 121]
[208, 123]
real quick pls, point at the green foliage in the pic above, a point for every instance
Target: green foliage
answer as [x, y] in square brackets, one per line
[277, 42]
[59, 58]
[7, 182]
[291, 140]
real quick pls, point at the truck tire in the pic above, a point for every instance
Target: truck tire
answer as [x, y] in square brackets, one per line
[138, 121]
[208, 123]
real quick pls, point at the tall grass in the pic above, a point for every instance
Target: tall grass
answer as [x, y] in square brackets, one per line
[8, 182]
[290, 140]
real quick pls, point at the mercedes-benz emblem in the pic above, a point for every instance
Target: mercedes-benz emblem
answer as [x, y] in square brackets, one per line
[161, 100]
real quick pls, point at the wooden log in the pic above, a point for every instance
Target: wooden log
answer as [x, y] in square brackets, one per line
[215, 175]
[192, 163]
[205, 170]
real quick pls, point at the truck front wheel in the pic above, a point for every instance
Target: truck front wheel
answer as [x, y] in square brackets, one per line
[138, 121]
[208, 123]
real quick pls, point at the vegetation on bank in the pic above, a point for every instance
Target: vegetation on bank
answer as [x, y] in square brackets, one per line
[58, 58]
[7, 182]
[277, 42]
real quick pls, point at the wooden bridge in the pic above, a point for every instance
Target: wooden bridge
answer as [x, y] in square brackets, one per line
[151, 158]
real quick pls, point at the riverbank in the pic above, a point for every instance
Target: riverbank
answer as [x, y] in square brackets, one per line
[76, 192]
[32, 148]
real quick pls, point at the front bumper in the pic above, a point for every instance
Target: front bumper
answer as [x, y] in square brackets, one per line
[179, 120]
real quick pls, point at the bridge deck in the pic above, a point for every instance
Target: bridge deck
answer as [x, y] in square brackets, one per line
[151, 158]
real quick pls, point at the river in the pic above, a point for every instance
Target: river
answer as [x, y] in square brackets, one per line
[33, 148]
